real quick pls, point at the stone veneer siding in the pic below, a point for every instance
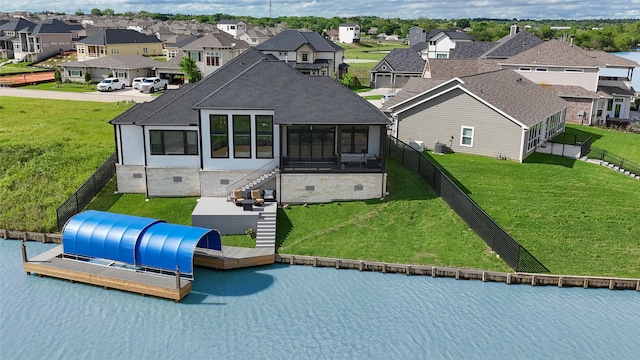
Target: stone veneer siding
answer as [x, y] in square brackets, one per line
[329, 187]
[211, 181]
[127, 183]
[162, 182]
[575, 105]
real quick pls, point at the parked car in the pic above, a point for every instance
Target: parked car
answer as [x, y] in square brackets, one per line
[110, 84]
[153, 84]
[135, 83]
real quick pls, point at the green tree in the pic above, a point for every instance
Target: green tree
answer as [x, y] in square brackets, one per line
[108, 12]
[463, 23]
[79, 12]
[56, 75]
[189, 67]
[96, 12]
[347, 79]
[87, 78]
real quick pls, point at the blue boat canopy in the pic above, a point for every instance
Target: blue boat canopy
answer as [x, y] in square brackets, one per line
[136, 240]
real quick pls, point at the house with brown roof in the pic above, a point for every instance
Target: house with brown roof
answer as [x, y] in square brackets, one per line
[498, 113]
[574, 74]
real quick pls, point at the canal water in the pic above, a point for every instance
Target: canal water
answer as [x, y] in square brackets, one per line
[299, 312]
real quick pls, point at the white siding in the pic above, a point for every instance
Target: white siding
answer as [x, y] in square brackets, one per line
[588, 79]
[130, 142]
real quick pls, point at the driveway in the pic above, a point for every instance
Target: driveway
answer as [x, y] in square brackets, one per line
[127, 94]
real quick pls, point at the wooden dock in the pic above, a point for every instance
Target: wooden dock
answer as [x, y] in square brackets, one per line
[51, 263]
[232, 257]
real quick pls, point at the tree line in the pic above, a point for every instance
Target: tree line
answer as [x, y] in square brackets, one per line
[601, 34]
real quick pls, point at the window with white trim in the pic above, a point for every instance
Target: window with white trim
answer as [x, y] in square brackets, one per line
[533, 138]
[542, 70]
[305, 56]
[75, 73]
[212, 58]
[576, 71]
[466, 136]
[525, 69]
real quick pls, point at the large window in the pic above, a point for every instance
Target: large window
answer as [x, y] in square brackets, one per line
[219, 125]
[355, 139]
[173, 142]
[241, 136]
[534, 136]
[305, 56]
[213, 58]
[264, 136]
[311, 143]
[466, 136]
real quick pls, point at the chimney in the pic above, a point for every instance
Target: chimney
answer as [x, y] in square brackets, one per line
[571, 42]
[514, 30]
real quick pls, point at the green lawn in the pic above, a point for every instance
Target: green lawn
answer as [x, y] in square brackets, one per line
[19, 68]
[623, 144]
[575, 217]
[369, 50]
[48, 148]
[72, 87]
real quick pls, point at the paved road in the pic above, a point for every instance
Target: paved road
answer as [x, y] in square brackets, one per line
[114, 96]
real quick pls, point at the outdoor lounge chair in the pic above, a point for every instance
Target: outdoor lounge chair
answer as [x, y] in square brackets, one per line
[237, 197]
[269, 195]
[257, 196]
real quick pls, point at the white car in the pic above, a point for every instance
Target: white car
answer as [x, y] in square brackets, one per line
[135, 83]
[110, 84]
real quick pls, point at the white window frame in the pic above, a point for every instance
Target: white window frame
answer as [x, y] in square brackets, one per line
[542, 70]
[574, 71]
[525, 69]
[463, 136]
[75, 73]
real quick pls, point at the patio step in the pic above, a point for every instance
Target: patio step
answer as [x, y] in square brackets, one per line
[255, 183]
[266, 231]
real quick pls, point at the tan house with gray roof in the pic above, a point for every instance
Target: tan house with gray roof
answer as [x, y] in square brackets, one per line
[498, 113]
[212, 51]
[574, 74]
[125, 67]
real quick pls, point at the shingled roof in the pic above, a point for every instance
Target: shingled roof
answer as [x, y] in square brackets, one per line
[402, 60]
[119, 36]
[451, 33]
[450, 68]
[254, 81]
[562, 53]
[216, 39]
[116, 62]
[505, 90]
[292, 40]
[506, 47]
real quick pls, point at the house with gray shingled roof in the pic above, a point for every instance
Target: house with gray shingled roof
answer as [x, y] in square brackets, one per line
[43, 40]
[349, 33]
[441, 41]
[396, 68]
[125, 67]
[306, 51]
[510, 45]
[213, 50]
[118, 42]
[308, 137]
[560, 63]
[499, 113]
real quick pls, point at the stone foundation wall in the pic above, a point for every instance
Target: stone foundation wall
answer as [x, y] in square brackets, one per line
[173, 182]
[327, 187]
[131, 179]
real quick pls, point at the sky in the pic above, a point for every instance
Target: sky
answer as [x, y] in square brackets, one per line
[404, 9]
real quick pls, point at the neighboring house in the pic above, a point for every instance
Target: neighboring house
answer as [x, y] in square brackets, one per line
[516, 42]
[349, 33]
[306, 51]
[498, 113]
[171, 47]
[118, 42]
[312, 138]
[44, 40]
[559, 63]
[396, 68]
[332, 35]
[417, 35]
[125, 67]
[234, 28]
[213, 50]
[9, 33]
[441, 41]
[256, 35]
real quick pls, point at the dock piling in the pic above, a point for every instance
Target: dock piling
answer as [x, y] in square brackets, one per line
[177, 277]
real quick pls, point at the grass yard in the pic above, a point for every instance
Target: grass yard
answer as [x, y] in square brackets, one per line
[370, 50]
[575, 217]
[410, 226]
[623, 144]
[48, 148]
[19, 68]
[67, 87]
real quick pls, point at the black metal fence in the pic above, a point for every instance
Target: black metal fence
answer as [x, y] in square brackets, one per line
[516, 256]
[585, 147]
[78, 200]
[604, 155]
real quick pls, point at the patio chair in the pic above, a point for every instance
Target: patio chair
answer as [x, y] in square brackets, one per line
[257, 196]
[269, 195]
[237, 197]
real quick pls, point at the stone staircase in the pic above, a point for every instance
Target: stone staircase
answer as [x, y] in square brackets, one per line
[266, 231]
[261, 179]
[613, 167]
